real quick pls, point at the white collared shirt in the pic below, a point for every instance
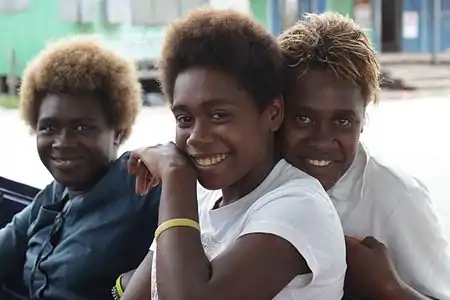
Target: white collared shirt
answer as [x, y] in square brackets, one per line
[373, 199]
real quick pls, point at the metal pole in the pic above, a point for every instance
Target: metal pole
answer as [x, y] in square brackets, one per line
[437, 30]
[314, 6]
[424, 23]
[12, 79]
[377, 24]
[275, 17]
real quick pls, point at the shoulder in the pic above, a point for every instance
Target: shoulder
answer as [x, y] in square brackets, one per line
[295, 188]
[124, 183]
[300, 204]
[301, 212]
[47, 196]
[50, 194]
[399, 188]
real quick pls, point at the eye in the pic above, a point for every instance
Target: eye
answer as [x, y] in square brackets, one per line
[219, 116]
[46, 128]
[303, 120]
[183, 120]
[343, 122]
[82, 127]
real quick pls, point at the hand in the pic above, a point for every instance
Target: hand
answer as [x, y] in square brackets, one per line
[151, 164]
[370, 273]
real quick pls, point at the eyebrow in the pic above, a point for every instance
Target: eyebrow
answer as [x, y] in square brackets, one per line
[56, 119]
[348, 112]
[208, 104]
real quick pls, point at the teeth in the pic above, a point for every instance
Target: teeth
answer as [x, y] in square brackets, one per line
[209, 161]
[319, 163]
[65, 161]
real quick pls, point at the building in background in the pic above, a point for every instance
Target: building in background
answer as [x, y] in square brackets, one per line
[415, 26]
[133, 27]
[136, 27]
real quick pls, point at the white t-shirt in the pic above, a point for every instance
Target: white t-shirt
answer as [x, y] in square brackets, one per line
[375, 200]
[293, 206]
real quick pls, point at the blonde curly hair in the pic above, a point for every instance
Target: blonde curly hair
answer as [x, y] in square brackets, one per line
[331, 42]
[80, 65]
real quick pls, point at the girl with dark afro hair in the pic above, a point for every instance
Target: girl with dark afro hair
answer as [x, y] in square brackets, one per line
[258, 228]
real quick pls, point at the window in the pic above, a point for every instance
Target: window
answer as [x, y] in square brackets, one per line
[12, 6]
[160, 12]
[78, 11]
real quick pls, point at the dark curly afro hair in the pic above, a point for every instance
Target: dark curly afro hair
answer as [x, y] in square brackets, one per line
[225, 40]
[81, 65]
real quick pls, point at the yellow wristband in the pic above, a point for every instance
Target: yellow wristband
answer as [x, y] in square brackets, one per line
[119, 286]
[175, 223]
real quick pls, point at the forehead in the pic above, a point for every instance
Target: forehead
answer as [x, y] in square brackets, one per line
[70, 107]
[323, 91]
[201, 87]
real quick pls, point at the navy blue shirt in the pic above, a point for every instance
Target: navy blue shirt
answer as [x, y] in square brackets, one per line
[76, 251]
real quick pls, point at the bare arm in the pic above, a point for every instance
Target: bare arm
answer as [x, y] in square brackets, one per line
[139, 285]
[126, 278]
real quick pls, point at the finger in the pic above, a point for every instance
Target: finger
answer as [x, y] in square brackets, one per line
[133, 162]
[352, 239]
[154, 182]
[373, 243]
[352, 247]
[143, 178]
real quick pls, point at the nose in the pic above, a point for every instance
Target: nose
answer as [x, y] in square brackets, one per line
[322, 136]
[200, 135]
[65, 139]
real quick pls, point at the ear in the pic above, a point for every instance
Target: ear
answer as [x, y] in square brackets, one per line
[365, 120]
[118, 137]
[275, 113]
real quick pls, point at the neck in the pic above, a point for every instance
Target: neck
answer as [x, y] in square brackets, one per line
[251, 180]
[86, 186]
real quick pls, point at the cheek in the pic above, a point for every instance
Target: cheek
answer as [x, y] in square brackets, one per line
[181, 136]
[43, 145]
[293, 138]
[350, 143]
[102, 146]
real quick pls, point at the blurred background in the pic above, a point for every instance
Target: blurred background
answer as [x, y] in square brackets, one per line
[411, 37]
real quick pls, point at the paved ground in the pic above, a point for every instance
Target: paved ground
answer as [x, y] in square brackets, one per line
[407, 130]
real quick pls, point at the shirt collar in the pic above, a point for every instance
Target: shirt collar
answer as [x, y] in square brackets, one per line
[351, 184]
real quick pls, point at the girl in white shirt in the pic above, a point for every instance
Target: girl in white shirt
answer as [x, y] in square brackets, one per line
[264, 230]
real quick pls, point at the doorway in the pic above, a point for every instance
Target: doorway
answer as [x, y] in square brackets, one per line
[391, 20]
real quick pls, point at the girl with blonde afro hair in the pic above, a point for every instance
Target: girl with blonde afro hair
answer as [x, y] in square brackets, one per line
[81, 100]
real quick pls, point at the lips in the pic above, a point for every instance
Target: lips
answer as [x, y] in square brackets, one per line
[66, 162]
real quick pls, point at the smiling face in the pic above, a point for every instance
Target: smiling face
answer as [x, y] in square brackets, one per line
[221, 128]
[324, 119]
[74, 140]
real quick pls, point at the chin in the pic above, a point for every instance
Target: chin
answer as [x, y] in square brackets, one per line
[211, 183]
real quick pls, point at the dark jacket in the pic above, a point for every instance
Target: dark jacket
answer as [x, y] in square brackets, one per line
[76, 251]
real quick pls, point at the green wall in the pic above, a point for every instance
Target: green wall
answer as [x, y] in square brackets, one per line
[259, 9]
[344, 7]
[28, 31]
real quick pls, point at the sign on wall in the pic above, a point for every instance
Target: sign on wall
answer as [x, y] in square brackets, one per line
[410, 25]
